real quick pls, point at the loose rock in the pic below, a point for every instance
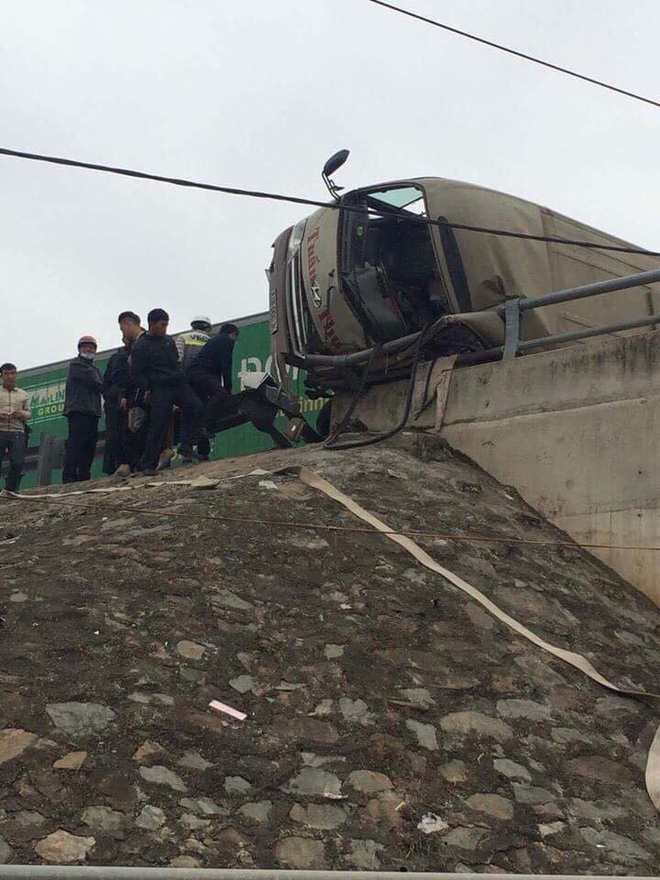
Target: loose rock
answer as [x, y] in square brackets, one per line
[160, 775]
[5, 851]
[194, 761]
[599, 769]
[512, 770]
[466, 839]
[311, 781]
[80, 719]
[622, 849]
[300, 853]
[236, 784]
[103, 819]
[62, 848]
[259, 811]
[190, 650]
[72, 761]
[151, 818]
[322, 816]
[364, 854]
[418, 697]
[13, 742]
[425, 733]
[185, 862]
[204, 806]
[465, 723]
[432, 824]
[355, 710]
[369, 782]
[242, 684]
[454, 771]
[148, 750]
[493, 805]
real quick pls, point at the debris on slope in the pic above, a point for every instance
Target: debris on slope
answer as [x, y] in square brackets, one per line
[391, 722]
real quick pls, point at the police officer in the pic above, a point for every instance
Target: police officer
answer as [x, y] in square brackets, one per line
[82, 408]
[190, 343]
[188, 346]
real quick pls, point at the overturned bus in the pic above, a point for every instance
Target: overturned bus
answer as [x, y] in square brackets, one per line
[384, 262]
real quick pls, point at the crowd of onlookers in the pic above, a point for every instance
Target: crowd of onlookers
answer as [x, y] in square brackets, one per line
[157, 392]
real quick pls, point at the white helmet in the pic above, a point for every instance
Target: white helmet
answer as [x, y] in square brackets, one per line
[201, 319]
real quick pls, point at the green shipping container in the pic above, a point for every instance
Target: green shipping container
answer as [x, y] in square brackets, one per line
[46, 385]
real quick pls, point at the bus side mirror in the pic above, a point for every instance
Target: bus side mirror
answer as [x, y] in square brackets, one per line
[333, 164]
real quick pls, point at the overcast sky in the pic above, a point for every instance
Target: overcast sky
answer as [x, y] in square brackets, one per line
[258, 93]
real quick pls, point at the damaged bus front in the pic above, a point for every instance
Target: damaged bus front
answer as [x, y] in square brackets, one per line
[357, 281]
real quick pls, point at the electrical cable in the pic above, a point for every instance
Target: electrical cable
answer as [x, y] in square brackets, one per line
[316, 526]
[329, 443]
[378, 438]
[315, 203]
[445, 27]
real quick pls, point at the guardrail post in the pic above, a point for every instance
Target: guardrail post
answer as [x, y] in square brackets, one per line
[512, 328]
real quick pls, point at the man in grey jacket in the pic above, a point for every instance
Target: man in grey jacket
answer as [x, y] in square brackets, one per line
[82, 408]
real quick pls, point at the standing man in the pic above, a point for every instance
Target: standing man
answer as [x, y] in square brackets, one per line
[122, 445]
[156, 372]
[190, 343]
[211, 375]
[14, 413]
[82, 408]
[188, 346]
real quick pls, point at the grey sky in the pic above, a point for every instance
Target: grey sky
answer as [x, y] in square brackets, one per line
[257, 94]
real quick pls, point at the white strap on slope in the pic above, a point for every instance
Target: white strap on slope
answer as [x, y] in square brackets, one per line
[577, 660]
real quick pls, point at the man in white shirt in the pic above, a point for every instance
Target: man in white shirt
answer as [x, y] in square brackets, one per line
[14, 413]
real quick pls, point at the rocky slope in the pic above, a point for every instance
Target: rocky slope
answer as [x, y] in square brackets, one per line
[391, 722]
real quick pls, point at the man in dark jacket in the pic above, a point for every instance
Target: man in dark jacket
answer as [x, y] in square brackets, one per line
[131, 438]
[211, 375]
[82, 408]
[122, 447]
[156, 372]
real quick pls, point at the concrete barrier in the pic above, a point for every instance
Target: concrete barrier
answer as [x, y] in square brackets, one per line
[576, 431]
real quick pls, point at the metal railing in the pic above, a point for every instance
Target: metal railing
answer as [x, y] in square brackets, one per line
[514, 308]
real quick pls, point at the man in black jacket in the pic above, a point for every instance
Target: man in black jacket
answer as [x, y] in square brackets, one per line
[122, 447]
[211, 375]
[156, 372]
[82, 408]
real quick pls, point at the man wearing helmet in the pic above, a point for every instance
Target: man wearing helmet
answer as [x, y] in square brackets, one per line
[82, 408]
[188, 346]
[190, 343]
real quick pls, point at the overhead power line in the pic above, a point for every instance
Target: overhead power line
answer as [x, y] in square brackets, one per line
[510, 51]
[315, 203]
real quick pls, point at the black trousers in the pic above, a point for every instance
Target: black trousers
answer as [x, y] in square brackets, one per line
[218, 401]
[80, 447]
[163, 399]
[111, 451]
[13, 443]
[131, 443]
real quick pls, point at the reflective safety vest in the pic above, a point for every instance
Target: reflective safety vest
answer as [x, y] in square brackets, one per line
[189, 345]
